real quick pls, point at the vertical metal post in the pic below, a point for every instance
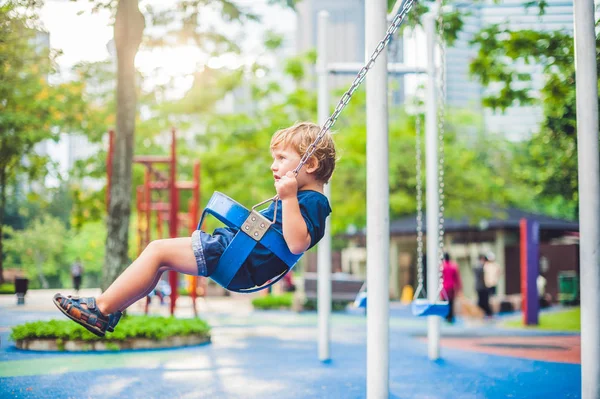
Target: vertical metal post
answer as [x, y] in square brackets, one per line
[147, 205]
[378, 219]
[109, 165]
[589, 195]
[173, 211]
[431, 170]
[324, 254]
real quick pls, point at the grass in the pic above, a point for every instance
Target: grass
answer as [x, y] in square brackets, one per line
[567, 320]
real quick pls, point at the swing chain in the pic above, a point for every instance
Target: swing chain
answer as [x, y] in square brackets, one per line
[441, 124]
[398, 19]
[419, 200]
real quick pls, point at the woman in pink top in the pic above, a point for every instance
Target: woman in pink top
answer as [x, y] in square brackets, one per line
[452, 284]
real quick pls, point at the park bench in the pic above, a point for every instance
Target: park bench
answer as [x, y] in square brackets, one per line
[343, 288]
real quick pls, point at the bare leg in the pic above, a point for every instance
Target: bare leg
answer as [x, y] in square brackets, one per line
[170, 254]
[161, 270]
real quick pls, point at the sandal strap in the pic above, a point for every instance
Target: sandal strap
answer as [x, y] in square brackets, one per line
[90, 302]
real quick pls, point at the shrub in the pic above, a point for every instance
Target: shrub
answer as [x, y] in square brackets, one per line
[273, 301]
[152, 327]
[336, 306]
[7, 288]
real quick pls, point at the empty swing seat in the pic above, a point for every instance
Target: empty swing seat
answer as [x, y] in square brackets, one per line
[253, 228]
[361, 300]
[424, 307]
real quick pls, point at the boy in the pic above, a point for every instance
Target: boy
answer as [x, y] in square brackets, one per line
[301, 217]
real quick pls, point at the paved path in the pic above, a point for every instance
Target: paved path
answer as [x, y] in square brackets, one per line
[274, 355]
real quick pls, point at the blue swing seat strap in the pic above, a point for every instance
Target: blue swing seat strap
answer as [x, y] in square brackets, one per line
[232, 258]
[229, 212]
[234, 215]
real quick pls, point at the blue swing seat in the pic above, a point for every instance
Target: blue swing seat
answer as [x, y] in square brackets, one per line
[361, 300]
[252, 228]
[423, 307]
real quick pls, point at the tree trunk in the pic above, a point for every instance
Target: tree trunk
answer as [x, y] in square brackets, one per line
[128, 31]
[2, 205]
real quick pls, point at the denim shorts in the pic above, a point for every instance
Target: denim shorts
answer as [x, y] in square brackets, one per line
[208, 249]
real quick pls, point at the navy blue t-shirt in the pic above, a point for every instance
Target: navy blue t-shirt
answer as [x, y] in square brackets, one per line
[262, 265]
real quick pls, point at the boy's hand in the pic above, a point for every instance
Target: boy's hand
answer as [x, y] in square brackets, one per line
[287, 186]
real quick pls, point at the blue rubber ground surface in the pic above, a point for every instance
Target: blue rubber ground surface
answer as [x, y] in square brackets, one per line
[274, 355]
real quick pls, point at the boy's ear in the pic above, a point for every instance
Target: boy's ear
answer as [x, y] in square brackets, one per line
[312, 164]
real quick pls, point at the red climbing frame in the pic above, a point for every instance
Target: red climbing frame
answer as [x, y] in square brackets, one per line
[179, 223]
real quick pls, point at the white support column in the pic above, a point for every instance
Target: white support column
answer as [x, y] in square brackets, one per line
[324, 253]
[589, 195]
[378, 223]
[431, 169]
[501, 262]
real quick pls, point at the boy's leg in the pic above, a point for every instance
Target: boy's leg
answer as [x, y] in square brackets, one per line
[161, 270]
[142, 275]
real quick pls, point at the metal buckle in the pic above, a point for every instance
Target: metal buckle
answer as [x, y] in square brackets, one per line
[256, 225]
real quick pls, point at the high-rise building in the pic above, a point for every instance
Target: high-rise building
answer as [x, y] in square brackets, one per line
[346, 38]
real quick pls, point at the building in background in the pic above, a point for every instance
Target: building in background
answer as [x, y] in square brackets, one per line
[516, 123]
[346, 38]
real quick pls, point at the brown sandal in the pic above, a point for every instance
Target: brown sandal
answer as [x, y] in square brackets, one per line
[83, 311]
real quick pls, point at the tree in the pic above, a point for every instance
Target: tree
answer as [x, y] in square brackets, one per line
[31, 109]
[182, 24]
[129, 28]
[547, 162]
[38, 248]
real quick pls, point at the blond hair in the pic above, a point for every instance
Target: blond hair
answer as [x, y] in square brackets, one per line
[300, 137]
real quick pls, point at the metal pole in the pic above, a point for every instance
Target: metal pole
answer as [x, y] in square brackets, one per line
[589, 195]
[432, 204]
[173, 210]
[324, 254]
[378, 219]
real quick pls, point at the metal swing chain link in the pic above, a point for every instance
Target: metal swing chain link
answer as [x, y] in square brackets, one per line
[441, 125]
[419, 177]
[398, 19]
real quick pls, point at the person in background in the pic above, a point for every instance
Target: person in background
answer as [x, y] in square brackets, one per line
[76, 274]
[483, 293]
[452, 283]
[491, 274]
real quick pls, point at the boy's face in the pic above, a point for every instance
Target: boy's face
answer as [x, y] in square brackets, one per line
[285, 159]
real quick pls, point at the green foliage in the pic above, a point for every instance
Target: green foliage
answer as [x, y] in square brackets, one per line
[31, 109]
[86, 243]
[273, 301]
[547, 162]
[284, 301]
[273, 40]
[336, 306]
[151, 327]
[38, 249]
[7, 288]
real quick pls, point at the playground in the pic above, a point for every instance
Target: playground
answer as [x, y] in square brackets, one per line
[273, 354]
[373, 347]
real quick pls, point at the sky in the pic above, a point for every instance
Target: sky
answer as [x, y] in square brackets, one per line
[85, 37]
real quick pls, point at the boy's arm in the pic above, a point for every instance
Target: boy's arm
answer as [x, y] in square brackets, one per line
[294, 227]
[295, 231]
